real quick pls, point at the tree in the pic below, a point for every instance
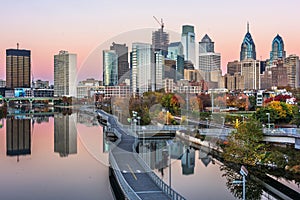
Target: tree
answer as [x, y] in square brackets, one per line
[245, 146]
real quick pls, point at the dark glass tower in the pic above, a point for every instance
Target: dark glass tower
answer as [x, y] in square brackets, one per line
[277, 49]
[123, 65]
[206, 45]
[248, 47]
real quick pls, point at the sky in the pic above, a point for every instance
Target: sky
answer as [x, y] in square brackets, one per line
[82, 26]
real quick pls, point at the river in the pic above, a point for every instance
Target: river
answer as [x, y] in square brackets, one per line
[65, 156]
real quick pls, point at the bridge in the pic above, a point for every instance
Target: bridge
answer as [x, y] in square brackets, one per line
[134, 177]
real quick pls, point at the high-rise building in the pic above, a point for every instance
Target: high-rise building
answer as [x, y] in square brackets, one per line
[233, 67]
[142, 64]
[158, 72]
[123, 65]
[188, 43]
[65, 134]
[208, 59]
[209, 62]
[175, 52]
[65, 72]
[18, 68]
[277, 51]
[292, 65]
[250, 70]
[160, 41]
[110, 68]
[248, 47]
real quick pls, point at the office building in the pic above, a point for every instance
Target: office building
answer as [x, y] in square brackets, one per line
[292, 65]
[159, 71]
[65, 72]
[233, 67]
[248, 47]
[277, 51]
[188, 43]
[142, 64]
[110, 68]
[250, 70]
[18, 68]
[123, 65]
[2, 83]
[175, 52]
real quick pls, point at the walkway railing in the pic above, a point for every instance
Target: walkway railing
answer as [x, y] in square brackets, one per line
[157, 180]
[129, 193]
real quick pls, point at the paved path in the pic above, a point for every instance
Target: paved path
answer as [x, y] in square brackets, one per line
[135, 175]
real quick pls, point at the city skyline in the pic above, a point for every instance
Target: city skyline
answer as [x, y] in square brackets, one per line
[84, 26]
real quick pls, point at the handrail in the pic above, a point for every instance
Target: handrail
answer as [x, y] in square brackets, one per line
[128, 191]
[158, 181]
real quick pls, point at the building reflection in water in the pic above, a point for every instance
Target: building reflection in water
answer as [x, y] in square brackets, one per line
[188, 161]
[65, 134]
[155, 153]
[18, 136]
[205, 156]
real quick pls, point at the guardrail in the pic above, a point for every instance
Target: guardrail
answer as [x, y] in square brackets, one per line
[129, 193]
[160, 183]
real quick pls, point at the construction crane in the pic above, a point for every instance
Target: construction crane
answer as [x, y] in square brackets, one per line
[161, 22]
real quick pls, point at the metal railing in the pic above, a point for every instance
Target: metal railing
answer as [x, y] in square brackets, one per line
[129, 193]
[158, 181]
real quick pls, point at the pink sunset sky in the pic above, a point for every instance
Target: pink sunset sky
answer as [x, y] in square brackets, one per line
[80, 26]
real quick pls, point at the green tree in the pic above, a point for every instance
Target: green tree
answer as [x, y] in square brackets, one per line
[244, 146]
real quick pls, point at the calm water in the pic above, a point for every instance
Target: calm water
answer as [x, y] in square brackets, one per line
[65, 157]
[49, 159]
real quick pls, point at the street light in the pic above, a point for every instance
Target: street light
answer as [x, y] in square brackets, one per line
[268, 120]
[244, 173]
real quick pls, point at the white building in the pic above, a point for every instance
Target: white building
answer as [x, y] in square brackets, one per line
[141, 67]
[65, 72]
[85, 88]
[158, 71]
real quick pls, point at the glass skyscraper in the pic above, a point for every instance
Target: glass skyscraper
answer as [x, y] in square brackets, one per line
[142, 65]
[188, 42]
[175, 52]
[248, 47]
[123, 65]
[277, 51]
[110, 68]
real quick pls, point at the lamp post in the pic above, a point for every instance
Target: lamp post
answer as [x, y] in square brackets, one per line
[243, 117]
[244, 173]
[268, 120]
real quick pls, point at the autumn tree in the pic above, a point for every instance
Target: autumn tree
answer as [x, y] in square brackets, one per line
[245, 145]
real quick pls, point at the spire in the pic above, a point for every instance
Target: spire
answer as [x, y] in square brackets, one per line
[247, 27]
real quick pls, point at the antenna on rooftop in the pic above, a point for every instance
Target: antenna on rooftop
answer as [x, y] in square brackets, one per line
[17, 45]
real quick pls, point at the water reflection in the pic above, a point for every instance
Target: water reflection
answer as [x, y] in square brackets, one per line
[188, 161]
[18, 136]
[65, 134]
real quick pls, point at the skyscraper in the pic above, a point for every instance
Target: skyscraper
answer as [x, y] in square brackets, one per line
[277, 51]
[123, 65]
[160, 41]
[65, 71]
[175, 52]
[142, 64]
[250, 70]
[188, 42]
[110, 68]
[18, 68]
[208, 59]
[248, 47]
[292, 65]
[158, 72]
[209, 62]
